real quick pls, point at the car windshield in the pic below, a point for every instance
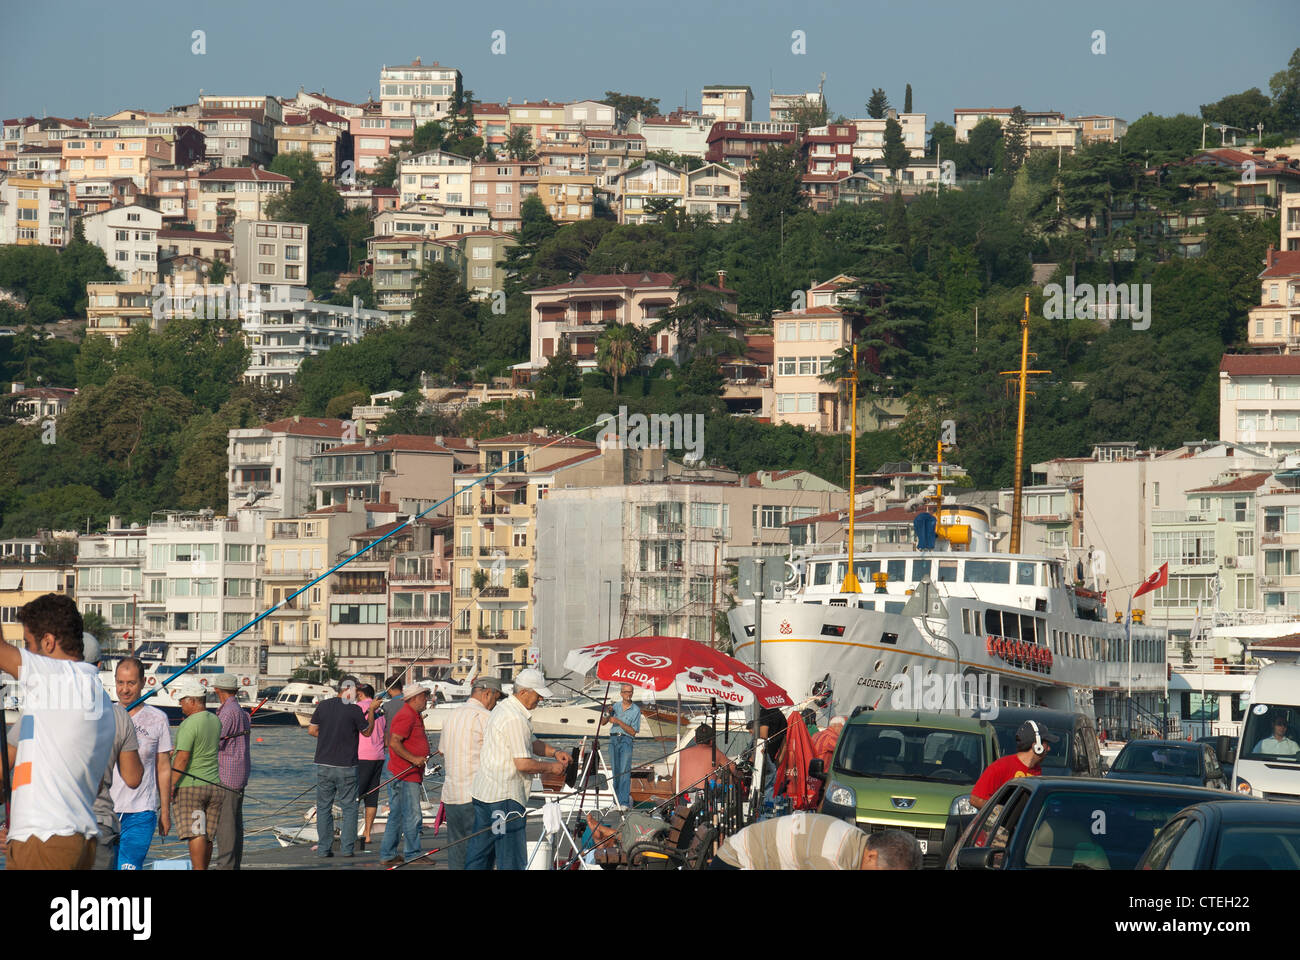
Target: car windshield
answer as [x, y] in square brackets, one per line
[1097, 830]
[1272, 733]
[1251, 847]
[910, 753]
[1156, 757]
[1057, 760]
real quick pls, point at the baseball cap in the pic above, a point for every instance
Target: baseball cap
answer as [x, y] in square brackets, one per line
[188, 688]
[226, 681]
[1025, 735]
[347, 684]
[487, 683]
[413, 690]
[531, 679]
[90, 652]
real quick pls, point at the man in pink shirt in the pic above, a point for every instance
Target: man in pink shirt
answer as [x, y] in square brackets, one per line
[370, 762]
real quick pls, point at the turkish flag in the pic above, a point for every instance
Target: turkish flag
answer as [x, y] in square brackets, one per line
[1154, 582]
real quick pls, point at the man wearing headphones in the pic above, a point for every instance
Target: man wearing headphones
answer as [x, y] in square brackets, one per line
[1032, 740]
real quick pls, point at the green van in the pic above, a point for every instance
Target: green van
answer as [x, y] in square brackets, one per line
[908, 771]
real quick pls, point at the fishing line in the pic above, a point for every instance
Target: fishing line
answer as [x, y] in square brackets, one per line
[270, 610]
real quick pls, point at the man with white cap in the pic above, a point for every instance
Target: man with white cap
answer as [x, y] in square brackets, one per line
[461, 743]
[408, 747]
[233, 764]
[336, 724]
[196, 791]
[506, 767]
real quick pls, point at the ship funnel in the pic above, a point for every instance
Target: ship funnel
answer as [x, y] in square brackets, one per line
[963, 526]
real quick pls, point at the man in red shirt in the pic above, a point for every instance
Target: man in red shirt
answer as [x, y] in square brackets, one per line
[409, 749]
[1033, 741]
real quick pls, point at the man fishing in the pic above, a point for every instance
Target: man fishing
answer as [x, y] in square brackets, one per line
[234, 763]
[336, 723]
[197, 798]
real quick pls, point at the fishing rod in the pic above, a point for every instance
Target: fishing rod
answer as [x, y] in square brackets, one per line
[186, 773]
[374, 543]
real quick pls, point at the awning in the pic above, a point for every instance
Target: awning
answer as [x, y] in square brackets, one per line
[11, 580]
[512, 487]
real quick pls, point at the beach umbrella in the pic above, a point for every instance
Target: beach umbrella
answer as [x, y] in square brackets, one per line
[792, 778]
[678, 667]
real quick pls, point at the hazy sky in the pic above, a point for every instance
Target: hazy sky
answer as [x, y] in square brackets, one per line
[73, 59]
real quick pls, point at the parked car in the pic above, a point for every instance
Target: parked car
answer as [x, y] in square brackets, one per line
[1070, 823]
[1169, 761]
[1077, 755]
[908, 771]
[1238, 835]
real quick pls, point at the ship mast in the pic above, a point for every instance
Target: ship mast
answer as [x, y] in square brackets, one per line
[1023, 373]
[850, 584]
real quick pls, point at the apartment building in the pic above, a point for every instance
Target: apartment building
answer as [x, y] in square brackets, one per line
[1275, 324]
[577, 312]
[1259, 400]
[803, 351]
[397, 261]
[297, 550]
[541, 118]
[270, 465]
[502, 186]
[359, 600]
[727, 102]
[286, 330]
[567, 198]
[200, 579]
[780, 105]
[651, 558]
[375, 137]
[590, 113]
[640, 190]
[492, 123]
[1100, 129]
[714, 191]
[306, 101]
[388, 469]
[496, 529]
[374, 200]
[481, 256]
[270, 252]
[42, 132]
[110, 571]
[432, 220]
[1277, 516]
[239, 128]
[436, 176]
[1259, 185]
[33, 405]
[182, 252]
[33, 211]
[829, 149]
[683, 132]
[1290, 216]
[129, 238]
[1046, 129]
[177, 194]
[97, 194]
[114, 156]
[228, 194]
[22, 581]
[418, 91]
[736, 144]
[870, 142]
[43, 162]
[323, 134]
[609, 153]
[419, 601]
[114, 308]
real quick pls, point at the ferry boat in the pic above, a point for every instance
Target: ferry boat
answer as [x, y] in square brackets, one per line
[950, 627]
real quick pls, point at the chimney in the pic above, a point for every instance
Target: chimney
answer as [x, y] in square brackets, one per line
[297, 418]
[115, 522]
[18, 386]
[1268, 261]
[722, 279]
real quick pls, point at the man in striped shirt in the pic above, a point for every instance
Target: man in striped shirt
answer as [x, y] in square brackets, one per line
[814, 841]
[461, 743]
[506, 767]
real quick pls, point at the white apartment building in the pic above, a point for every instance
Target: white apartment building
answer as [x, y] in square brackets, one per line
[271, 252]
[33, 211]
[590, 113]
[1046, 129]
[432, 220]
[870, 144]
[201, 584]
[686, 134]
[1290, 212]
[727, 102]
[236, 193]
[129, 238]
[436, 176]
[779, 105]
[270, 470]
[419, 91]
[283, 333]
[1259, 401]
[804, 345]
[110, 580]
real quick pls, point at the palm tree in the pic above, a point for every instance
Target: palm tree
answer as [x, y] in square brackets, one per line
[519, 143]
[616, 352]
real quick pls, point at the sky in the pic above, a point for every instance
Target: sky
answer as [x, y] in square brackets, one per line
[73, 59]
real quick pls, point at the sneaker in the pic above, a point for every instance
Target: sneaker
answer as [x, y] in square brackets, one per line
[327, 853]
[394, 861]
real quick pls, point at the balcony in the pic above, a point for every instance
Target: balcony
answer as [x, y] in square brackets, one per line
[243, 489]
[660, 530]
[290, 573]
[431, 576]
[1181, 516]
[464, 551]
[462, 634]
[464, 593]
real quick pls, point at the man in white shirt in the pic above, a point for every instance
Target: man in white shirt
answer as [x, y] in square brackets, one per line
[65, 739]
[506, 767]
[1278, 745]
[137, 809]
[461, 743]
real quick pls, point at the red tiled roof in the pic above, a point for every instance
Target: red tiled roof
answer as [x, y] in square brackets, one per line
[382, 507]
[1251, 481]
[245, 173]
[1290, 641]
[321, 115]
[307, 427]
[571, 461]
[194, 235]
[321, 96]
[1240, 365]
[374, 533]
[831, 285]
[1281, 263]
[489, 108]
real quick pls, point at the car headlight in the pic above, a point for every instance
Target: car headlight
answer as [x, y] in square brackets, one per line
[962, 807]
[842, 796]
[1243, 786]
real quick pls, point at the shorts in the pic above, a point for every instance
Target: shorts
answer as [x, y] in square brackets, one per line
[134, 840]
[197, 811]
[368, 778]
[75, 852]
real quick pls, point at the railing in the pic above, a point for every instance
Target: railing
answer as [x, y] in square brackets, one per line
[295, 572]
[349, 476]
[1181, 516]
[463, 593]
[464, 551]
[488, 593]
[462, 634]
[433, 576]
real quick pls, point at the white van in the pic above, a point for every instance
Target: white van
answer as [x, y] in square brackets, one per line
[1268, 753]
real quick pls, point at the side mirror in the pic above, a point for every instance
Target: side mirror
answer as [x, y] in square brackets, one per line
[1224, 750]
[975, 858]
[817, 769]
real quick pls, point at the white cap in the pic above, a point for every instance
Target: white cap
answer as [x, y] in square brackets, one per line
[186, 687]
[413, 690]
[90, 652]
[531, 679]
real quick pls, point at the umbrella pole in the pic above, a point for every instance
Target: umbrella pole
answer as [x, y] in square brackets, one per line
[595, 745]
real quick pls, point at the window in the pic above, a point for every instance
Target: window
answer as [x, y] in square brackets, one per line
[266, 250]
[266, 269]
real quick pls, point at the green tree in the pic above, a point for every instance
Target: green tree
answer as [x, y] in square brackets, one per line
[519, 143]
[1163, 139]
[1016, 142]
[985, 145]
[1243, 110]
[1285, 87]
[877, 105]
[630, 106]
[702, 323]
[316, 203]
[807, 113]
[318, 668]
[896, 155]
[775, 184]
[675, 160]
[907, 100]
[560, 376]
[442, 314]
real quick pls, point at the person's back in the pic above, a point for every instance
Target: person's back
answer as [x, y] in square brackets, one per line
[801, 841]
[340, 722]
[696, 764]
[199, 735]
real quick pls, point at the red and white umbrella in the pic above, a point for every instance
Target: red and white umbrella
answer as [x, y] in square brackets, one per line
[678, 667]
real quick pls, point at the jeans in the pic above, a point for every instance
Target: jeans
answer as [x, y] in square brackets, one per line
[495, 836]
[230, 833]
[135, 835]
[404, 820]
[336, 783]
[620, 759]
[460, 824]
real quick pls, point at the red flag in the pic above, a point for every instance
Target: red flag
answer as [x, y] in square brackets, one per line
[1154, 582]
